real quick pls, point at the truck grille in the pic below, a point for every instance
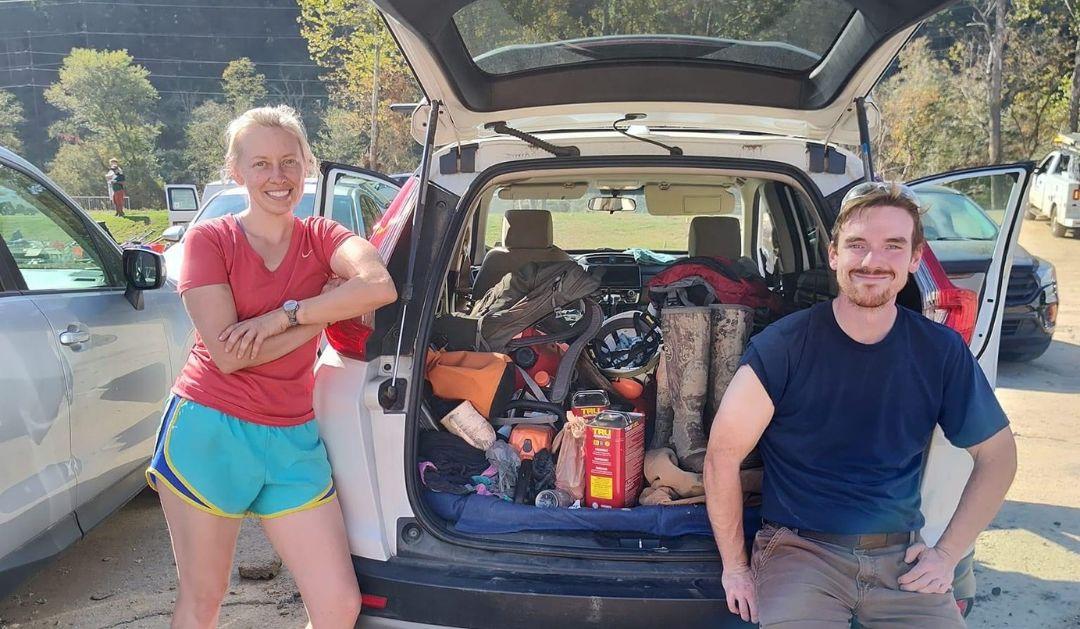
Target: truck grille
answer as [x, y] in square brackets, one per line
[1023, 287]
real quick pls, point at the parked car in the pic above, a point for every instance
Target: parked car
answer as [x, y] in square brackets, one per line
[963, 237]
[756, 132]
[359, 200]
[1055, 191]
[90, 349]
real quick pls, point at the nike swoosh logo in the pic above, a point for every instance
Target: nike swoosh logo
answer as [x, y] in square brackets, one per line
[304, 255]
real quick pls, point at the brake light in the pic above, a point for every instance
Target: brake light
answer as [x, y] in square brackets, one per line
[349, 338]
[1076, 194]
[955, 307]
[370, 601]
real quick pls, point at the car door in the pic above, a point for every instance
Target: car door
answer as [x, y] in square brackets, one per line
[37, 474]
[116, 357]
[353, 196]
[182, 201]
[1039, 183]
[1002, 193]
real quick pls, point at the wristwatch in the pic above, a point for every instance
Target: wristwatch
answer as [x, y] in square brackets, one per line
[291, 307]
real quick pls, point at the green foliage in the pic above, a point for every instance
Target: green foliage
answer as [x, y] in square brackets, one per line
[109, 103]
[143, 225]
[344, 137]
[205, 146]
[11, 116]
[244, 87]
[346, 37]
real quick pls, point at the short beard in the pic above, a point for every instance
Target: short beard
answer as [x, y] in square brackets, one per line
[864, 298]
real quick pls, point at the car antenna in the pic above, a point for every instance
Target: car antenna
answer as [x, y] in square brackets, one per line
[674, 150]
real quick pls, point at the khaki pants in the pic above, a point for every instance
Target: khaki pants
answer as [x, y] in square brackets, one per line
[806, 583]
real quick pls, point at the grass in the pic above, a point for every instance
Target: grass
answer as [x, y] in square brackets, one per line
[142, 225]
[622, 230]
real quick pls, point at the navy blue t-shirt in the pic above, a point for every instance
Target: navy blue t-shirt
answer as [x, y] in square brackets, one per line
[844, 450]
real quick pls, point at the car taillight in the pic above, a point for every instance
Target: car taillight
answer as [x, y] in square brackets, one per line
[371, 601]
[349, 338]
[1076, 194]
[955, 307]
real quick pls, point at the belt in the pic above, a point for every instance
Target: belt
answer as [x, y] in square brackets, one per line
[854, 542]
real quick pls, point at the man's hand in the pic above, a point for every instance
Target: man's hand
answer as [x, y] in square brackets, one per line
[741, 594]
[246, 337]
[932, 573]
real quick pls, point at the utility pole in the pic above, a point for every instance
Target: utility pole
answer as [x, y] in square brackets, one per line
[373, 146]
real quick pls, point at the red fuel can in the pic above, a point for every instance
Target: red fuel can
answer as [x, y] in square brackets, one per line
[614, 459]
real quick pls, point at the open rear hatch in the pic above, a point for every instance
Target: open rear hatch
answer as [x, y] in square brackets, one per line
[789, 68]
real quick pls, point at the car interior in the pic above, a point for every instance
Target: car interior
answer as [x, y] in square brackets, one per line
[625, 229]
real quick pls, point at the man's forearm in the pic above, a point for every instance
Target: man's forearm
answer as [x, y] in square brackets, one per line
[982, 498]
[724, 499]
[274, 347]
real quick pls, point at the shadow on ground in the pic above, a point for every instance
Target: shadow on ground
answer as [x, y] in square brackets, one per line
[1053, 372]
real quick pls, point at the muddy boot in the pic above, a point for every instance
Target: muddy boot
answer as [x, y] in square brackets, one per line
[731, 327]
[664, 417]
[686, 352]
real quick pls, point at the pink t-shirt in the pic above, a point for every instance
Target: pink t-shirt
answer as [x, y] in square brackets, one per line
[277, 393]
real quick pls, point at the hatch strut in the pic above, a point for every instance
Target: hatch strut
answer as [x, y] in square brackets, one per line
[864, 138]
[391, 394]
[528, 138]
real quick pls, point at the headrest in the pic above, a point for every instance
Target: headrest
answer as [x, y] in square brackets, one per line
[715, 236]
[527, 229]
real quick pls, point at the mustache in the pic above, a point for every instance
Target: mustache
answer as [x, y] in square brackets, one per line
[867, 271]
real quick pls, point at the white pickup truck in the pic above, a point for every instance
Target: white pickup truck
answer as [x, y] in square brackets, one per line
[1055, 191]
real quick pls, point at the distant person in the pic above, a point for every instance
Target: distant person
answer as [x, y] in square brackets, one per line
[239, 435]
[115, 178]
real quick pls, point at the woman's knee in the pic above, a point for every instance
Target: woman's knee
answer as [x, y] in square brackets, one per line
[335, 607]
[202, 598]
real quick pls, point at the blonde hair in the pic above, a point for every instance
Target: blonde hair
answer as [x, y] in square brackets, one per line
[279, 117]
[890, 195]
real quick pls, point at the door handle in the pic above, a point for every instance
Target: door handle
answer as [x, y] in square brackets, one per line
[74, 336]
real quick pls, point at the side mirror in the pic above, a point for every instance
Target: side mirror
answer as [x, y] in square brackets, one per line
[143, 270]
[612, 204]
[174, 233]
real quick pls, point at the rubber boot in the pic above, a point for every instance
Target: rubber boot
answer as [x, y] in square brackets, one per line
[686, 352]
[731, 327]
[664, 417]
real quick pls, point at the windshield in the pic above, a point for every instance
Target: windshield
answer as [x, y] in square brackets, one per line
[505, 36]
[953, 216]
[224, 204]
[577, 228]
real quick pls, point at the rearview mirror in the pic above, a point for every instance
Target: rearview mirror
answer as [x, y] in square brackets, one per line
[174, 233]
[612, 204]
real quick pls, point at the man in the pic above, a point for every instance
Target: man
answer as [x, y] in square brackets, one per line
[844, 398]
[115, 180]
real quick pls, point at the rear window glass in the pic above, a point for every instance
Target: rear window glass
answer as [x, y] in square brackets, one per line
[224, 204]
[505, 36]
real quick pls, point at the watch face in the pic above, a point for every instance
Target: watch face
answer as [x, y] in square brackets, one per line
[292, 304]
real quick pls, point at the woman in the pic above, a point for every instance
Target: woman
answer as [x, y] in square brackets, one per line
[238, 436]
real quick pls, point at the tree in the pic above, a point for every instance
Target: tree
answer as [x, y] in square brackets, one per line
[348, 39]
[109, 103]
[344, 136]
[11, 116]
[205, 140]
[244, 87]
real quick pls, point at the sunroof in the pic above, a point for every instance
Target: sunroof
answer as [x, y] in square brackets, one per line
[507, 36]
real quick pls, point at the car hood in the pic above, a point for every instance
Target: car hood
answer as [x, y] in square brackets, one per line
[666, 77]
[973, 256]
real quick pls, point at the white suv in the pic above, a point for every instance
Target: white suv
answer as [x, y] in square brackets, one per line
[757, 116]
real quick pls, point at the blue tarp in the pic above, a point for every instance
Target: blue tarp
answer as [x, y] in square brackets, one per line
[490, 515]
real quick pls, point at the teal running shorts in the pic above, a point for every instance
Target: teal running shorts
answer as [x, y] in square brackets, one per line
[231, 468]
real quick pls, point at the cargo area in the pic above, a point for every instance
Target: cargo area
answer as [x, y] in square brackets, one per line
[586, 331]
